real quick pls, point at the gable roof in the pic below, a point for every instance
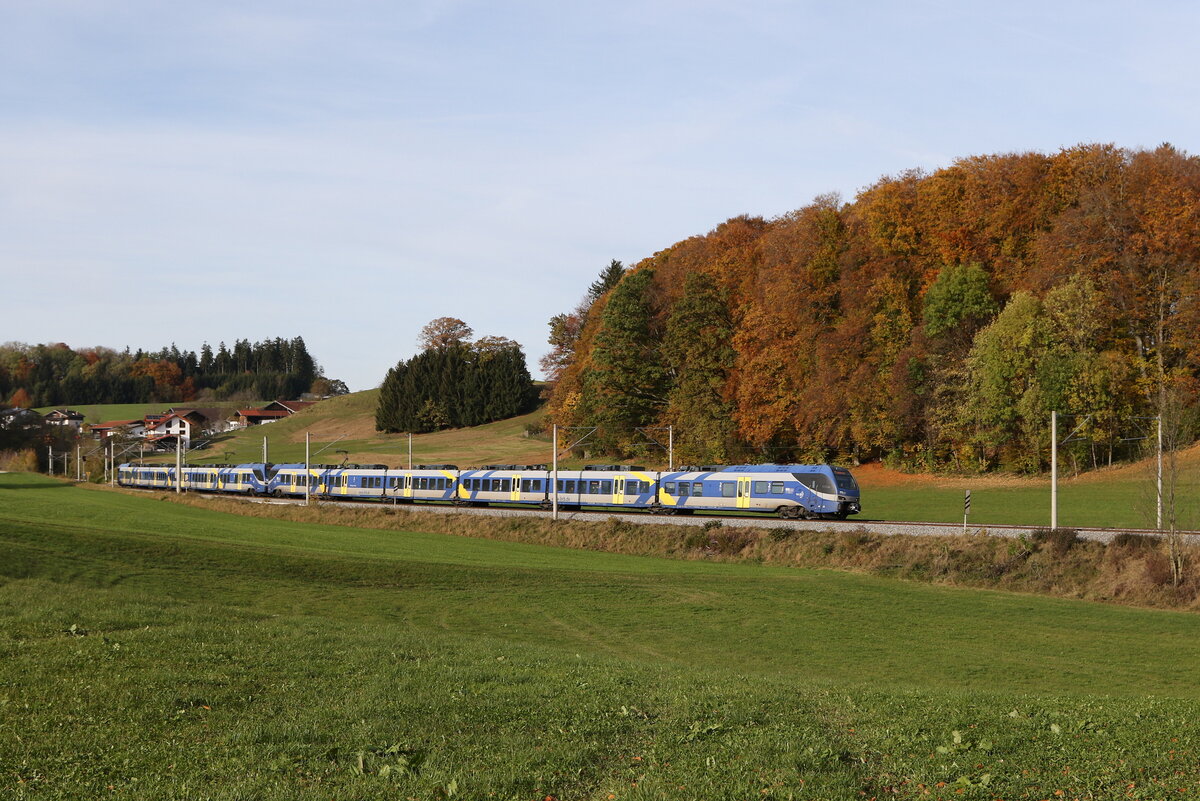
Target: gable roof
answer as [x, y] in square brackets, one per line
[64, 414]
[291, 406]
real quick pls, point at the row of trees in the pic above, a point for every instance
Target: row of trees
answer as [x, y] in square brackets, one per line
[454, 382]
[48, 375]
[934, 321]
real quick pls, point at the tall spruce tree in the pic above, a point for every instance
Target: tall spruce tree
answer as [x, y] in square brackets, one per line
[699, 353]
[627, 384]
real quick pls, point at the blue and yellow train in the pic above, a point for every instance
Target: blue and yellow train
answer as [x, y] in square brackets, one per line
[788, 490]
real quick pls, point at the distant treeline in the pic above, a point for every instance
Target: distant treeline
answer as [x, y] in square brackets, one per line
[936, 320]
[453, 383]
[52, 375]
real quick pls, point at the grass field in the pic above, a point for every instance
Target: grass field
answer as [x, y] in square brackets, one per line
[151, 650]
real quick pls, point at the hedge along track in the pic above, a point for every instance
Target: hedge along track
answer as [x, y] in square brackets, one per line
[880, 527]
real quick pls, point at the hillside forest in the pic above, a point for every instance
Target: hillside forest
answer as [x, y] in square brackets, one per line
[934, 322]
[51, 375]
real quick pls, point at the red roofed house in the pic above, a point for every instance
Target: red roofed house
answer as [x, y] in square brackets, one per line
[183, 426]
[275, 410]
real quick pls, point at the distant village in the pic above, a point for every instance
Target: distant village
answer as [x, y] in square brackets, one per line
[186, 427]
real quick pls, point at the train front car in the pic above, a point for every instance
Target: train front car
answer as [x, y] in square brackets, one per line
[829, 491]
[795, 491]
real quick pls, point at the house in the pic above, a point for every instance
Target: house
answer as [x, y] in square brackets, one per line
[67, 418]
[291, 407]
[128, 428]
[214, 420]
[182, 427]
[18, 419]
[273, 411]
[258, 417]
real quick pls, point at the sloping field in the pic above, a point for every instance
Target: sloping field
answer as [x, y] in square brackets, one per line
[152, 650]
[343, 428]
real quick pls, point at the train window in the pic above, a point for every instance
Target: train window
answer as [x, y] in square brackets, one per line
[728, 489]
[815, 482]
[845, 481]
[760, 487]
[669, 487]
[684, 489]
[593, 487]
[606, 487]
[506, 485]
[776, 487]
[697, 489]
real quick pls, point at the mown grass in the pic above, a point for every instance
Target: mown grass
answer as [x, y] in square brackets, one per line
[1122, 502]
[151, 650]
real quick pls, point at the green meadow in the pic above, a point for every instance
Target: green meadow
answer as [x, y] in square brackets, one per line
[151, 650]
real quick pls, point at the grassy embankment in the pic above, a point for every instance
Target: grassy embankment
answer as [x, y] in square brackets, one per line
[151, 650]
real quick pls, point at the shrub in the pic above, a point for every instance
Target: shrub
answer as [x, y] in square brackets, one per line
[19, 461]
[1133, 542]
[1057, 541]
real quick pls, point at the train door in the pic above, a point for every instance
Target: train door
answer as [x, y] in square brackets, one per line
[619, 490]
[515, 494]
[408, 486]
[743, 493]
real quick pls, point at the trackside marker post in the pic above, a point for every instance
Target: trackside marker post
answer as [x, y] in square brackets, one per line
[966, 509]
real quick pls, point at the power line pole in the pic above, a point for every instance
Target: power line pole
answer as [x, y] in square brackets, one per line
[1158, 520]
[307, 472]
[554, 477]
[1053, 469]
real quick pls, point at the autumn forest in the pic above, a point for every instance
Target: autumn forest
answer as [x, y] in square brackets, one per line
[934, 321]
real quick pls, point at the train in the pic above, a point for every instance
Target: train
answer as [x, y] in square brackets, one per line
[797, 491]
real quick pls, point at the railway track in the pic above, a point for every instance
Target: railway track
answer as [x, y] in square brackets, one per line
[881, 527]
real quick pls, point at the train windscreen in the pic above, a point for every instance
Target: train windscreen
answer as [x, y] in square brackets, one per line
[845, 481]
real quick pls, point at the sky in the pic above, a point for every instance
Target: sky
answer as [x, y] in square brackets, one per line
[348, 171]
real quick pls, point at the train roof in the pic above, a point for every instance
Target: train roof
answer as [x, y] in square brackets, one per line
[774, 468]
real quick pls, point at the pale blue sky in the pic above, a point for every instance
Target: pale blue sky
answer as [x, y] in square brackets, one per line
[347, 171]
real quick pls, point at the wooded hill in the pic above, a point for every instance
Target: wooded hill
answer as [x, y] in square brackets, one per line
[935, 320]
